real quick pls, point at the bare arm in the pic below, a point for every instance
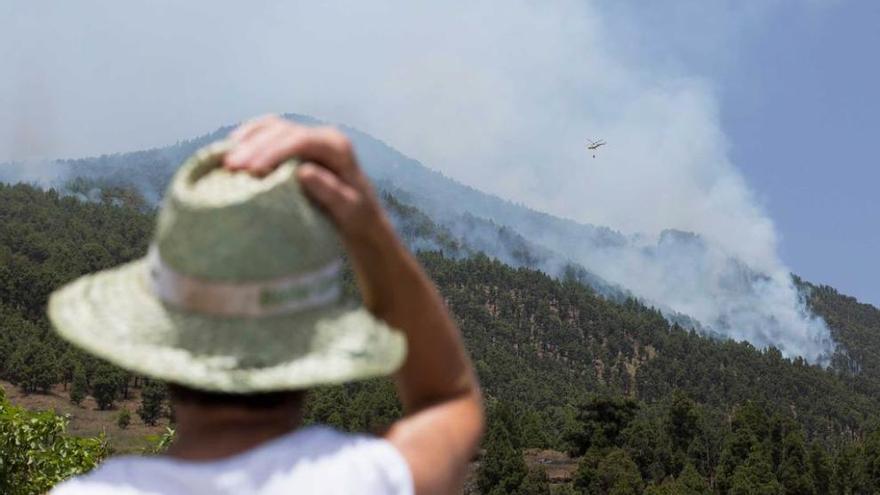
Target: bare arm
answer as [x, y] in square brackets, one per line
[444, 415]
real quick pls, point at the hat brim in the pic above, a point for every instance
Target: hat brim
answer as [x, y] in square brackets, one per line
[114, 315]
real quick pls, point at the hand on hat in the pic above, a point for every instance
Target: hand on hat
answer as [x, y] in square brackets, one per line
[329, 175]
[441, 431]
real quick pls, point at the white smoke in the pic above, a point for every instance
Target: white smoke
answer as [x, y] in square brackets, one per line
[500, 94]
[700, 279]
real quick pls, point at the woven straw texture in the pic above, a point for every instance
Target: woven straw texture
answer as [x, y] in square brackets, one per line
[229, 228]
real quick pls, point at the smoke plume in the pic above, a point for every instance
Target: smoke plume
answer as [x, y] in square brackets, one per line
[499, 94]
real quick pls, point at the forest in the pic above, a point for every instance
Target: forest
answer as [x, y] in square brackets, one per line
[638, 404]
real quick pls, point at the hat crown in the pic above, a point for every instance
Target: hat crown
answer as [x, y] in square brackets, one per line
[239, 293]
[226, 226]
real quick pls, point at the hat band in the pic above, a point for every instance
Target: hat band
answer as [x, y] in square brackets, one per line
[274, 297]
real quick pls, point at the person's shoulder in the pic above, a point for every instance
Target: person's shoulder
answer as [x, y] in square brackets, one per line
[108, 478]
[325, 440]
[369, 458]
[339, 460]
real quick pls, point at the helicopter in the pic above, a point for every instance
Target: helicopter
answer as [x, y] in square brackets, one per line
[594, 145]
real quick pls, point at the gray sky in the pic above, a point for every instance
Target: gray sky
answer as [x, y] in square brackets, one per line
[499, 94]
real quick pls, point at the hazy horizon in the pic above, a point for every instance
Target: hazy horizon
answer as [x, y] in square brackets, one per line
[505, 106]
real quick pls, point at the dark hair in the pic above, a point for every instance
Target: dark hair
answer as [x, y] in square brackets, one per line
[263, 400]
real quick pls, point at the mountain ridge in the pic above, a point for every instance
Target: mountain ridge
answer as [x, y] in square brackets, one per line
[547, 350]
[464, 211]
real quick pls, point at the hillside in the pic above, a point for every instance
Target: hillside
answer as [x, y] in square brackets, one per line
[692, 281]
[856, 327]
[548, 351]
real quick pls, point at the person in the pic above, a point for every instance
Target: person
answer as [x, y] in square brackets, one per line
[237, 306]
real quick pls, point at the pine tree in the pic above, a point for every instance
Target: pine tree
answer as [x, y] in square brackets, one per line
[750, 423]
[821, 467]
[587, 474]
[668, 487]
[502, 413]
[79, 387]
[66, 366]
[534, 431]
[681, 421]
[647, 443]
[33, 367]
[502, 468]
[872, 462]
[535, 483]
[565, 489]
[152, 397]
[601, 421]
[335, 420]
[794, 472]
[123, 419]
[849, 473]
[618, 475]
[689, 482]
[105, 386]
[737, 446]
[755, 476]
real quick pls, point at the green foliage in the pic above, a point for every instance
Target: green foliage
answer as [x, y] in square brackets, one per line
[587, 474]
[106, 386]
[370, 405]
[152, 398]
[749, 430]
[602, 419]
[681, 421]
[79, 387]
[47, 239]
[502, 468]
[648, 403]
[502, 413]
[35, 452]
[67, 363]
[533, 430]
[872, 462]
[160, 443]
[689, 482]
[535, 483]
[33, 367]
[849, 471]
[794, 472]
[617, 474]
[854, 327]
[648, 445]
[760, 453]
[123, 418]
[821, 467]
[755, 476]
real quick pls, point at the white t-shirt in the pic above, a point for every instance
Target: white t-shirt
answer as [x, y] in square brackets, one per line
[315, 459]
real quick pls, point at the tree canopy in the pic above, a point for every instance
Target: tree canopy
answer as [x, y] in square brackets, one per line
[647, 405]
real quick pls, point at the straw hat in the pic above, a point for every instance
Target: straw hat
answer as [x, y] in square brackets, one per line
[240, 292]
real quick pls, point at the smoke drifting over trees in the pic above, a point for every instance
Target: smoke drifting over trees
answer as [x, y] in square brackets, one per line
[504, 104]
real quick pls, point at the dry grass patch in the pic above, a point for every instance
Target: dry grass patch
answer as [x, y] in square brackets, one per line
[86, 420]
